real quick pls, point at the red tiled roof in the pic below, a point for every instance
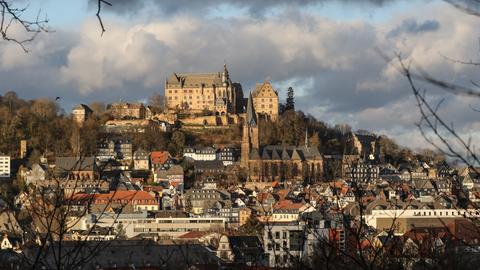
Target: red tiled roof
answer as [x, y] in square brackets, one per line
[159, 157]
[128, 196]
[193, 235]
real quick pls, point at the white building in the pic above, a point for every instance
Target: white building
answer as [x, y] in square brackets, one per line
[200, 154]
[4, 166]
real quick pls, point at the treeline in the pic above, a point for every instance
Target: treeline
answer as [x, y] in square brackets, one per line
[51, 131]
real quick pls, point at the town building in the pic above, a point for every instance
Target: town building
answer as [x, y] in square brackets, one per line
[5, 169]
[76, 168]
[127, 111]
[141, 160]
[81, 113]
[201, 92]
[265, 101]
[115, 149]
[200, 153]
[227, 155]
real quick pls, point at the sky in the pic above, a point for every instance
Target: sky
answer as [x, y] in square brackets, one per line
[327, 50]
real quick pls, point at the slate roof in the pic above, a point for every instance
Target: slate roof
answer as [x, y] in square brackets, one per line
[288, 152]
[68, 164]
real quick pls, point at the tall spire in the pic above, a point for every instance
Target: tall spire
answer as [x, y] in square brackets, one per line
[251, 115]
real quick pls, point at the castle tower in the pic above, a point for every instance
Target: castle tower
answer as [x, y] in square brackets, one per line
[250, 138]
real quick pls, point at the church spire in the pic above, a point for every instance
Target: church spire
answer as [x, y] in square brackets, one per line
[251, 115]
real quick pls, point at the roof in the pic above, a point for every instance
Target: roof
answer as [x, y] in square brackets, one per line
[195, 79]
[130, 195]
[68, 164]
[288, 152]
[260, 86]
[209, 165]
[159, 157]
[83, 107]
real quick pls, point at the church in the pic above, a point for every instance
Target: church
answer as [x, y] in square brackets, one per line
[276, 162]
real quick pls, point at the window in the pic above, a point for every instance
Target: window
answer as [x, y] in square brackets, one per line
[277, 235]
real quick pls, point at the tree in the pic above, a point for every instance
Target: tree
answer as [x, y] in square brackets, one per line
[290, 101]
[157, 103]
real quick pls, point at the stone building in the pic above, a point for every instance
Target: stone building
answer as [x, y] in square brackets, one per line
[265, 101]
[364, 144]
[81, 113]
[124, 110]
[277, 162]
[199, 92]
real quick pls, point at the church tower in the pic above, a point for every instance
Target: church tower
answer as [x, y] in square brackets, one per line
[250, 138]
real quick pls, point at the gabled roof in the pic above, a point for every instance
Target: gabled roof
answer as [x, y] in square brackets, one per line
[264, 86]
[197, 79]
[159, 157]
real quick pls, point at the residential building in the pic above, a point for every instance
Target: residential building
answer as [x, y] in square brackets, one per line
[198, 201]
[141, 160]
[209, 167]
[138, 200]
[115, 149]
[172, 175]
[5, 169]
[363, 172]
[160, 159]
[80, 168]
[227, 155]
[201, 153]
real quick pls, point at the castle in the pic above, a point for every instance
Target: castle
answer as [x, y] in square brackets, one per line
[276, 162]
[199, 92]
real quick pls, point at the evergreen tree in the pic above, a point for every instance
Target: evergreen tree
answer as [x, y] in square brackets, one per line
[290, 102]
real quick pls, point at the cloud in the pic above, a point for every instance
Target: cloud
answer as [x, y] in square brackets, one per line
[254, 7]
[411, 26]
[332, 65]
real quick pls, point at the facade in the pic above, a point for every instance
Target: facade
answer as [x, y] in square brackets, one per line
[365, 144]
[4, 166]
[363, 172]
[200, 200]
[277, 162]
[170, 226]
[75, 168]
[141, 160]
[81, 113]
[114, 149]
[200, 154]
[265, 101]
[124, 110]
[198, 92]
[227, 155]
[138, 200]
[173, 174]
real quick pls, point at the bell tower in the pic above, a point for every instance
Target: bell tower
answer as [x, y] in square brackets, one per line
[250, 139]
